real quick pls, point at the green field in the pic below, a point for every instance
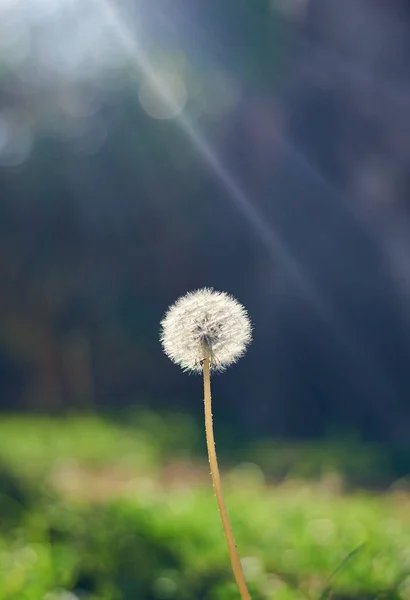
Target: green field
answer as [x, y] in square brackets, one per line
[94, 510]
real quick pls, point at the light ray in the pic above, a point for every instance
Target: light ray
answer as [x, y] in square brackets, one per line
[381, 384]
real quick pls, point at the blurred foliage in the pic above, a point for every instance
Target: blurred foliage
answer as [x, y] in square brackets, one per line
[357, 463]
[144, 439]
[99, 511]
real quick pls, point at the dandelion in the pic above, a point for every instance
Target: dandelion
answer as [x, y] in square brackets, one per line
[205, 324]
[207, 331]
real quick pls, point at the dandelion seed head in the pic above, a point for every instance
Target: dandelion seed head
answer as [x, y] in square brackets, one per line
[205, 324]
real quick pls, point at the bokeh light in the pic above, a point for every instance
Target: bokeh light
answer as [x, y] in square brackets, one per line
[170, 103]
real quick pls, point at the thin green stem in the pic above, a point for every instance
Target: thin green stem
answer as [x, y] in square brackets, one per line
[216, 480]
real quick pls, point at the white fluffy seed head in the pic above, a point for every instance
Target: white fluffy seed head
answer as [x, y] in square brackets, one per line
[205, 324]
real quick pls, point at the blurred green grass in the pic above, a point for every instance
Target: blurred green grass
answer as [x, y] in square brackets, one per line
[98, 510]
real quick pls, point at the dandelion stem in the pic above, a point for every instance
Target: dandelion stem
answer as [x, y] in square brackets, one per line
[216, 480]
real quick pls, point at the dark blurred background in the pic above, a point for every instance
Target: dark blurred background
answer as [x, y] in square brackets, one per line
[261, 147]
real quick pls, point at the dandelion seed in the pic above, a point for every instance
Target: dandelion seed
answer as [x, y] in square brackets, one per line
[205, 324]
